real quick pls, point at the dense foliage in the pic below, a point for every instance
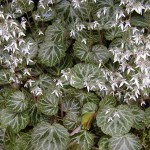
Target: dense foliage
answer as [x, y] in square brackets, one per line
[74, 74]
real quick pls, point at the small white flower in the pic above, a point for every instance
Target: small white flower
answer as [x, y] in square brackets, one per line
[40, 32]
[110, 119]
[107, 111]
[84, 40]
[116, 115]
[26, 71]
[72, 33]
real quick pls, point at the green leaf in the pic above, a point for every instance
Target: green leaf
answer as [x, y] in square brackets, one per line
[2, 135]
[87, 120]
[44, 81]
[17, 121]
[17, 102]
[138, 115]
[4, 95]
[84, 138]
[103, 143]
[107, 101]
[35, 115]
[85, 97]
[125, 142]
[139, 21]
[71, 121]
[55, 32]
[86, 75]
[115, 120]
[48, 104]
[51, 53]
[147, 117]
[113, 33]
[91, 54]
[89, 107]
[46, 136]
[71, 104]
[4, 76]
[23, 142]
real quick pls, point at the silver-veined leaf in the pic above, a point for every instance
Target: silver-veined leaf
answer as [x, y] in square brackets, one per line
[125, 142]
[55, 32]
[147, 117]
[44, 81]
[51, 53]
[71, 121]
[16, 121]
[71, 104]
[84, 138]
[103, 143]
[91, 55]
[23, 142]
[107, 100]
[115, 120]
[17, 102]
[112, 33]
[89, 107]
[86, 75]
[85, 97]
[35, 115]
[139, 21]
[48, 104]
[138, 115]
[50, 137]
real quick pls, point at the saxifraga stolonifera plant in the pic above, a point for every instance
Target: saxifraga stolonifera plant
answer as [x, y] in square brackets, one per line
[74, 74]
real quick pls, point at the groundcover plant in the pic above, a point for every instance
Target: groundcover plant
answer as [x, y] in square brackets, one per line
[74, 75]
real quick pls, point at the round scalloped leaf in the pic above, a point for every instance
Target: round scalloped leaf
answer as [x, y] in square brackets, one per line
[138, 115]
[88, 54]
[89, 107]
[103, 143]
[84, 138]
[51, 53]
[17, 121]
[107, 100]
[113, 33]
[48, 104]
[147, 117]
[85, 97]
[5, 94]
[71, 121]
[125, 142]
[44, 81]
[35, 115]
[55, 32]
[71, 104]
[86, 75]
[17, 102]
[50, 137]
[115, 120]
